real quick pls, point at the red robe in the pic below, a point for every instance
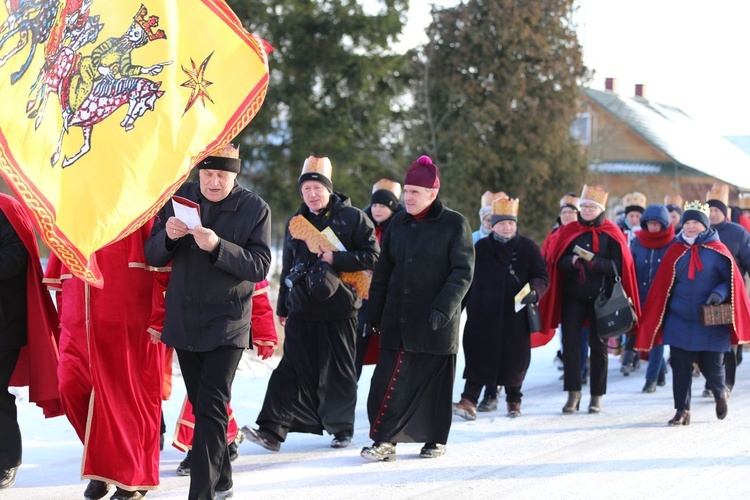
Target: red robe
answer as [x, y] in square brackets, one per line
[550, 304]
[650, 328]
[110, 370]
[744, 221]
[37, 362]
[264, 333]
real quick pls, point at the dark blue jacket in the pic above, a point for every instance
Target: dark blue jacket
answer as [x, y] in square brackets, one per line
[682, 323]
[737, 240]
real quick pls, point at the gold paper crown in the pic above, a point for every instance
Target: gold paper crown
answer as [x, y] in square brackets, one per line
[719, 192]
[597, 194]
[505, 206]
[744, 201]
[570, 199]
[698, 206]
[228, 151]
[319, 165]
[673, 199]
[634, 199]
[149, 24]
[489, 196]
[389, 185]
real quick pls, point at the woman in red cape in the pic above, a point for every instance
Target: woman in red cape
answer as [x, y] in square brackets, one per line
[698, 269]
[576, 282]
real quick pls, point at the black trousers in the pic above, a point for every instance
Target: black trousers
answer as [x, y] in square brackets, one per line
[10, 434]
[711, 365]
[472, 390]
[574, 313]
[208, 379]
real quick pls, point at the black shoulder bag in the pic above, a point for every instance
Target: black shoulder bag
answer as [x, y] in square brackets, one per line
[615, 314]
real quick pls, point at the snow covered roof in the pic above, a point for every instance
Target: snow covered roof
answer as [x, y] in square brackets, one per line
[686, 141]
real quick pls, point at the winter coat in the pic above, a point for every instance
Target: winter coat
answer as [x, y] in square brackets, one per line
[364, 328]
[13, 261]
[737, 240]
[424, 264]
[647, 261]
[490, 301]
[355, 231]
[682, 323]
[601, 266]
[209, 296]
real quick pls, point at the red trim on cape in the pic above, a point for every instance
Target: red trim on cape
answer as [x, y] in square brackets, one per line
[650, 329]
[37, 363]
[551, 301]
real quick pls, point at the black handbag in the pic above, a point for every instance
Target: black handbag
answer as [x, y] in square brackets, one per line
[532, 310]
[615, 313]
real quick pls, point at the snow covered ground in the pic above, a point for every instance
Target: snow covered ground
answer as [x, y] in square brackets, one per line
[626, 452]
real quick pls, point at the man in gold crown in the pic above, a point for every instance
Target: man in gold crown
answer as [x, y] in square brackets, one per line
[737, 240]
[215, 266]
[314, 387]
[696, 271]
[496, 338]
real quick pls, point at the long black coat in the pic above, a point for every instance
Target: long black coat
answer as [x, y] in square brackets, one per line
[737, 240]
[13, 261]
[492, 323]
[209, 297]
[423, 265]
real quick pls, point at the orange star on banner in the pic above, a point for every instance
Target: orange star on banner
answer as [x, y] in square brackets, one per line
[197, 83]
[93, 136]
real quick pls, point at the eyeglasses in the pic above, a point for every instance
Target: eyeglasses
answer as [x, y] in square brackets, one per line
[568, 212]
[588, 207]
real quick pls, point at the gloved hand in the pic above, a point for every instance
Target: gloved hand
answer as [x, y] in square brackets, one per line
[264, 351]
[437, 319]
[531, 298]
[714, 299]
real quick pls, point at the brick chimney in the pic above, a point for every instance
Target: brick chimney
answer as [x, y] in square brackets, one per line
[640, 90]
[610, 85]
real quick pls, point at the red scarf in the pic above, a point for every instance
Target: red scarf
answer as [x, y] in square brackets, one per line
[421, 215]
[656, 240]
[595, 232]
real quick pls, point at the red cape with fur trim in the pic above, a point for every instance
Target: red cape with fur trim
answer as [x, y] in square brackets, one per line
[650, 327]
[37, 363]
[551, 301]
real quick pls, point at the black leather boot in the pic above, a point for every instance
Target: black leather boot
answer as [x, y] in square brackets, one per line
[682, 417]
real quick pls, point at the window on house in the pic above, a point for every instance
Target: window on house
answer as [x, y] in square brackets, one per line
[580, 130]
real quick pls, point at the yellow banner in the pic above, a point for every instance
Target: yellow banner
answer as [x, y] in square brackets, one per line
[107, 104]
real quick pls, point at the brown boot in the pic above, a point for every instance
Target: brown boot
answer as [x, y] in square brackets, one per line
[514, 410]
[682, 417]
[722, 408]
[465, 409]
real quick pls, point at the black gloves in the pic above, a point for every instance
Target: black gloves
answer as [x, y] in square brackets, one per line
[714, 299]
[437, 319]
[531, 298]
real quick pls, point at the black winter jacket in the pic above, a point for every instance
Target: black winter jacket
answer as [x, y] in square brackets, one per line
[13, 261]
[355, 231]
[209, 296]
[424, 264]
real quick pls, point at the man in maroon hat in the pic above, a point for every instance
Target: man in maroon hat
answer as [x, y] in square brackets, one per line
[425, 269]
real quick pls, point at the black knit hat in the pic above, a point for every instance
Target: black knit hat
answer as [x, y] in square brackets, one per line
[385, 197]
[720, 205]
